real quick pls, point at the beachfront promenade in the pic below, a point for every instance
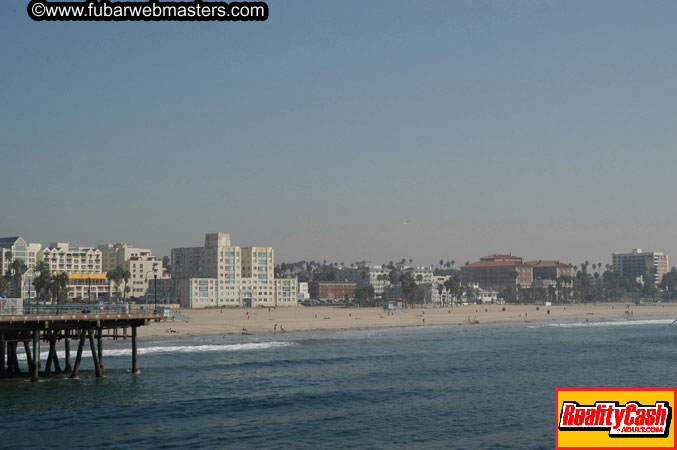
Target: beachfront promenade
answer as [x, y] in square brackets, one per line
[31, 326]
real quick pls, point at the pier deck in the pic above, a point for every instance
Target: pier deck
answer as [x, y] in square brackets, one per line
[32, 325]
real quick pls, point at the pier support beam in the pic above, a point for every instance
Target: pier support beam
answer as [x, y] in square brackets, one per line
[99, 344]
[97, 367]
[16, 370]
[78, 357]
[135, 360]
[36, 355]
[67, 345]
[2, 354]
[50, 353]
[29, 357]
[55, 358]
[9, 369]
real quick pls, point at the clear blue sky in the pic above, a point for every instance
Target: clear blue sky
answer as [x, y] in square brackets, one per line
[544, 128]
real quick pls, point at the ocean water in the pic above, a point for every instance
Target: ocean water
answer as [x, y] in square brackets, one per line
[481, 386]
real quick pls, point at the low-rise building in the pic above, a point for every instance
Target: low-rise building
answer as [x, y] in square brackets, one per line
[332, 290]
[143, 267]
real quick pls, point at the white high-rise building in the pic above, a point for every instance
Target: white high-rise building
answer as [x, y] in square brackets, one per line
[222, 274]
[641, 264]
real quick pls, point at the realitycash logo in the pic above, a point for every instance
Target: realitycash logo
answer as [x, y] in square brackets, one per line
[615, 418]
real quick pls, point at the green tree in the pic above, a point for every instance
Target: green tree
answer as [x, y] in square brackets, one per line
[58, 287]
[4, 286]
[669, 284]
[42, 280]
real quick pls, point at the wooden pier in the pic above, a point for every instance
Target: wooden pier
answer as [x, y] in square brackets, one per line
[35, 326]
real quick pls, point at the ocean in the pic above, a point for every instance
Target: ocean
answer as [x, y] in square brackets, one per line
[470, 386]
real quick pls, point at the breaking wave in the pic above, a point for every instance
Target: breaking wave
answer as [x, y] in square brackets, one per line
[614, 323]
[168, 349]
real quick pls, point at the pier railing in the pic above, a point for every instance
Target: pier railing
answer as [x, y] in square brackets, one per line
[104, 308]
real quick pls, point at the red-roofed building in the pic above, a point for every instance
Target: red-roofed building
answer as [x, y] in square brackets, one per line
[499, 271]
[551, 270]
[499, 257]
[496, 272]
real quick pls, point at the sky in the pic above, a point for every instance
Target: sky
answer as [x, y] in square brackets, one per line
[349, 130]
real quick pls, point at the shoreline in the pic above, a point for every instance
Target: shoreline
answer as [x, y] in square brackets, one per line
[214, 322]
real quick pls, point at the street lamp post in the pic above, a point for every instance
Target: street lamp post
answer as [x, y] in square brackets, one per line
[155, 287]
[89, 288]
[154, 284]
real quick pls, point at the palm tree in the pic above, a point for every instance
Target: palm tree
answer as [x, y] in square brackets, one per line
[115, 276]
[452, 264]
[42, 280]
[16, 270]
[125, 275]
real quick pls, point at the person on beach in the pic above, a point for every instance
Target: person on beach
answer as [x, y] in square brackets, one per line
[275, 329]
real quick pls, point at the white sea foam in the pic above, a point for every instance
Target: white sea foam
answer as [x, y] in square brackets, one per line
[170, 349]
[615, 323]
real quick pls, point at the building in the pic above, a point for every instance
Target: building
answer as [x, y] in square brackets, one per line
[83, 265]
[641, 264]
[369, 275]
[497, 272]
[303, 291]
[226, 275]
[552, 270]
[332, 290]
[140, 262]
[16, 248]
[421, 274]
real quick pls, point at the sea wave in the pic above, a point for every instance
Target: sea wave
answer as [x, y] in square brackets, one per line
[614, 323]
[171, 349]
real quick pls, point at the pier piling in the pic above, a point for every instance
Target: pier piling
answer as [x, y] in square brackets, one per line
[29, 357]
[99, 345]
[97, 367]
[67, 349]
[78, 357]
[2, 354]
[36, 355]
[135, 362]
[36, 324]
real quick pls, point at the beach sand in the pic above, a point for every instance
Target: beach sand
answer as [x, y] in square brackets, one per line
[256, 320]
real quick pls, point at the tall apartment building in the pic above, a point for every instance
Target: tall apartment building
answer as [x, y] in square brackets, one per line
[641, 264]
[83, 265]
[140, 262]
[222, 274]
[16, 248]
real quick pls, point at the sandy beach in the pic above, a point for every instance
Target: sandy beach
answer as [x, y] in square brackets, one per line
[257, 320]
